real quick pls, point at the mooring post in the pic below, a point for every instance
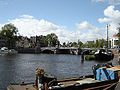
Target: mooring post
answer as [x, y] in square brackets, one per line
[82, 56]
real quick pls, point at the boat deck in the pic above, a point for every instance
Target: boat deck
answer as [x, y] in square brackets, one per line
[21, 87]
[83, 81]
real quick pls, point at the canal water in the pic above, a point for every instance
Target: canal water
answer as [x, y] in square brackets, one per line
[21, 67]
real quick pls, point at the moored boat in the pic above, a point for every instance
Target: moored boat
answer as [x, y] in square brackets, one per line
[6, 51]
[102, 54]
[105, 77]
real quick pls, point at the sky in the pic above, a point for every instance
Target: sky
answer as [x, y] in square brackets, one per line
[70, 20]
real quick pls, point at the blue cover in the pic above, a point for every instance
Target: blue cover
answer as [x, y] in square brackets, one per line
[103, 74]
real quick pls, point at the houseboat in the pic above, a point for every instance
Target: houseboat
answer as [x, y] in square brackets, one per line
[102, 54]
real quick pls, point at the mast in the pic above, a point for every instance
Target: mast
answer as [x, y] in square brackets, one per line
[107, 37]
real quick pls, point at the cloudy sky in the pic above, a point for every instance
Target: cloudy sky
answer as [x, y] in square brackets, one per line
[69, 19]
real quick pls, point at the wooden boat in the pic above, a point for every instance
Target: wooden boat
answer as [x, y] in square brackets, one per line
[102, 54]
[99, 81]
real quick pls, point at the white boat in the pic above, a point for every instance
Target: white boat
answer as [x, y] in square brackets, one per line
[13, 51]
[5, 50]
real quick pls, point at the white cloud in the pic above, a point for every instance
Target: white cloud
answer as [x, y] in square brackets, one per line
[29, 26]
[112, 17]
[98, 0]
[112, 2]
[87, 32]
[27, 16]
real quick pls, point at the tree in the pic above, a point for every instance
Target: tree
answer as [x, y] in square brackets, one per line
[64, 44]
[80, 43]
[74, 44]
[52, 40]
[9, 33]
[90, 44]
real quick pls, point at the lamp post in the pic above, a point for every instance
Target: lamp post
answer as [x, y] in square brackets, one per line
[107, 37]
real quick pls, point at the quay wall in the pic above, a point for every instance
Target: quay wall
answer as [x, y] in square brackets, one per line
[28, 50]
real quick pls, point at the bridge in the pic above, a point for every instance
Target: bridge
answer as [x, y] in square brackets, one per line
[55, 50]
[64, 50]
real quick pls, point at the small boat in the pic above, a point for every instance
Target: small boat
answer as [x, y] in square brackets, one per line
[6, 51]
[105, 77]
[13, 51]
[102, 54]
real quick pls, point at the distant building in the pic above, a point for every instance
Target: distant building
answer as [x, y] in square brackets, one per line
[114, 41]
[23, 43]
[40, 40]
[31, 42]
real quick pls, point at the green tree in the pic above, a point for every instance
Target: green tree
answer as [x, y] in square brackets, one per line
[97, 43]
[83, 45]
[74, 44]
[9, 33]
[52, 40]
[64, 44]
[80, 43]
[90, 44]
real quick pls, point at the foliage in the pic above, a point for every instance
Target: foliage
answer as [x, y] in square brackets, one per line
[93, 52]
[100, 43]
[80, 43]
[9, 33]
[90, 44]
[52, 40]
[83, 45]
[72, 44]
[64, 44]
[89, 57]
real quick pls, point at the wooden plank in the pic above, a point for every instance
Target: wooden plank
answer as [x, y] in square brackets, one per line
[21, 87]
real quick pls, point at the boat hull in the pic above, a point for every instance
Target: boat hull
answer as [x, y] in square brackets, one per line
[108, 85]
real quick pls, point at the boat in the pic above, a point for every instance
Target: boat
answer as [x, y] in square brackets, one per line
[102, 54]
[105, 77]
[13, 51]
[6, 51]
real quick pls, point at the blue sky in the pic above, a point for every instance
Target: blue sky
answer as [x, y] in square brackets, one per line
[58, 16]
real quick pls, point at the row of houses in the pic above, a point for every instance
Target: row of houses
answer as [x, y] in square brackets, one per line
[26, 42]
[31, 42]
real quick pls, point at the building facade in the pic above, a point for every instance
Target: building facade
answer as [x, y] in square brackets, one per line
[114, 41]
